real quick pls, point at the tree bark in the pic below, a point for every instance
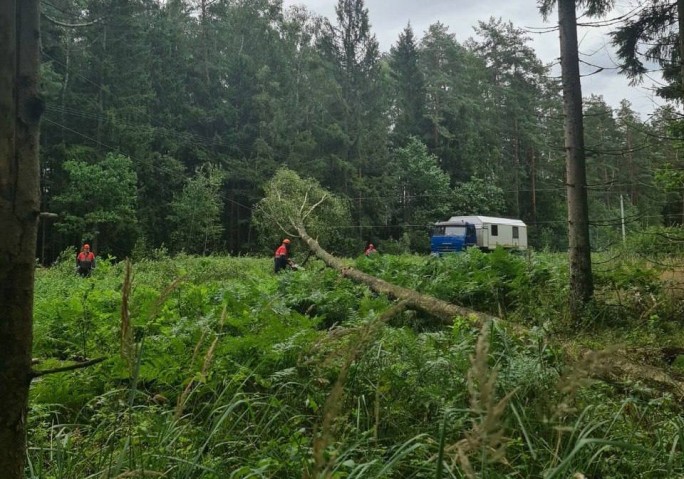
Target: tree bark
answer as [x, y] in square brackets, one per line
[20, 111]
[581, 281]
[611, 366]
[414, 300]
[533, 176]
[680, 21]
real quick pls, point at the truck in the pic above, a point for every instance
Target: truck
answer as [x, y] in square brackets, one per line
[484, 232]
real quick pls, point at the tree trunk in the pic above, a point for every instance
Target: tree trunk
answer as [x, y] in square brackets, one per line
[533, 177]
[20, 110]
[613, 366]
[516, 158]
[581, 282]
[680, 17]
[414, 300]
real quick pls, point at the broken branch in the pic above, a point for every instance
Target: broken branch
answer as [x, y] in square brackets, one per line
[71, 367]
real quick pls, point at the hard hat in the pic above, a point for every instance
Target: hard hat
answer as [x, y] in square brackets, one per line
[86, 246]
[286, 241]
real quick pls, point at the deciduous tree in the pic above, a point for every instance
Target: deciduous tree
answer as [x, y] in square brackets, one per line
[100, 202]
[196, 212]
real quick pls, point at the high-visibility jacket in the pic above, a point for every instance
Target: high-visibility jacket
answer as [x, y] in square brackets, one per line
[281, 251]
[88, 257]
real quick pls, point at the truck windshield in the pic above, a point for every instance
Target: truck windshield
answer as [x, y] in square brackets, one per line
[447, 230]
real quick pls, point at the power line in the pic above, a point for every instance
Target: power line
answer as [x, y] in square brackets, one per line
[111, 148]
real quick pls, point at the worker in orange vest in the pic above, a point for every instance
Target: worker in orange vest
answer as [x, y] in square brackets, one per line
[85, 261]
[370, 249]
[282, 254]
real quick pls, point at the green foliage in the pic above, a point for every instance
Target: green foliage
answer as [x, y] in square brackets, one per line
[423, 194]
[99, 201]
[655, 242]
[234, 367]
[286, 87]
[408, 90]
[292, 202]
[478, 196]
[195, 213]
[497, 282]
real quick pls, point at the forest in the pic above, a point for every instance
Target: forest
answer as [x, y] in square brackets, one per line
[185, 139]
[164, 120]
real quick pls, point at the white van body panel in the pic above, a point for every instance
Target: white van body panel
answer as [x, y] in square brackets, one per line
[492, 231]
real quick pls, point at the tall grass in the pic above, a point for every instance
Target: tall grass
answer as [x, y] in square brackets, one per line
[238, 373]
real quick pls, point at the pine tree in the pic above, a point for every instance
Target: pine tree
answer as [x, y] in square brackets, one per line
[408, 88]
[20, 112]
[518, 87]
[581, 279]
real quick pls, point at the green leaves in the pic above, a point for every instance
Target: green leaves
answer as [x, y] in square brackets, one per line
[276, 353]
[291, 202]
[100, 197]
[196, 212]
[478, 196]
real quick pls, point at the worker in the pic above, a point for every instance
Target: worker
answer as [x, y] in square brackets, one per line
[370, 249]
[282, 256]
[85, 261]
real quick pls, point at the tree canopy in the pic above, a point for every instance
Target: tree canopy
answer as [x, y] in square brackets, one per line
[251, 87]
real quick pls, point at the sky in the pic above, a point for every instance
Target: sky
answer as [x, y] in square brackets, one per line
[389, 17]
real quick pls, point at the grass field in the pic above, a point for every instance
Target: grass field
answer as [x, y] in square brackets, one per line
[216, 368]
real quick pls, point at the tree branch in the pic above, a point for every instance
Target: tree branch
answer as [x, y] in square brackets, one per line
[314, 207]
[284, 230]
[306, 198]
[71, 367]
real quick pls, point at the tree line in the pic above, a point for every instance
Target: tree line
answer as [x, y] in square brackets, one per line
[164, 120]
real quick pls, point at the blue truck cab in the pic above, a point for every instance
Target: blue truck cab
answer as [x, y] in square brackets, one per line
[452, 237]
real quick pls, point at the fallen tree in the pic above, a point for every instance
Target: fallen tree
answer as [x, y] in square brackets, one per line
[295, 205]
[414, 300]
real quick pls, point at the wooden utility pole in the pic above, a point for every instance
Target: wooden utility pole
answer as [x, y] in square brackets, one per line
[680, 24]
[581, 281]
[20, 111]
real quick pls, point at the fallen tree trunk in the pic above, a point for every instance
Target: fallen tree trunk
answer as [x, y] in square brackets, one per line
[614, 366]
[619, 368]
[414, 300]
[291, 202]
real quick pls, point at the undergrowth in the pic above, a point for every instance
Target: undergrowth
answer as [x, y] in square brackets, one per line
[233, 372]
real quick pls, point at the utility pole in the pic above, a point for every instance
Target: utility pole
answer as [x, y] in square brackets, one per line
[622, 218]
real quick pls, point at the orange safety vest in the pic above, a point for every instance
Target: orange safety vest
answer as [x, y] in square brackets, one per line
[83, 256]
[281, 251]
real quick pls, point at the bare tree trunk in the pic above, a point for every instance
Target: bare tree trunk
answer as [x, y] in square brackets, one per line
[436, 307]
[680, 16]
[581, 281]
[101, 90]
[533, 176]
[633, 195]
[516, 157]
[613, 366]
[20, 111]
[65, 82]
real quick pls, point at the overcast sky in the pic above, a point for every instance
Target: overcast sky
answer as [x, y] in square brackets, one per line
[389, 17]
